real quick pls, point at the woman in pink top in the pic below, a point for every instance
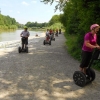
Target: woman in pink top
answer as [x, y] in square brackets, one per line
[90, 42]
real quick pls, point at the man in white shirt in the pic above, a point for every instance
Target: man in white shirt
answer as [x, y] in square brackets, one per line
[24, 34]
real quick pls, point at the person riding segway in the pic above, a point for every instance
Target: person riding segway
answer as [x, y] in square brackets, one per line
[52, 35]
[24, 34]
[87, 74]
[56, 34]
[59, 31]
[48, 38]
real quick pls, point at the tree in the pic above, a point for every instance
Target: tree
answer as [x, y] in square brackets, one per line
[6, 22]
[60, 5]
[36, 24]
[54, 19]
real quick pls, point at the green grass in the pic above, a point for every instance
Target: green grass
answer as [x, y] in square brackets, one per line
[72, 46]
[96, 65]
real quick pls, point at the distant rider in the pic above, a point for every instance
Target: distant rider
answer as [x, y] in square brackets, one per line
[59, 31]
[24, 34]
[47, 34]
[56, 32]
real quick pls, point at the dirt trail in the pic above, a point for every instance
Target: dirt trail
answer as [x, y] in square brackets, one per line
[45, 73]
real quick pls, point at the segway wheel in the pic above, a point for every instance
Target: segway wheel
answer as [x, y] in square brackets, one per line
[51, 38]
[26, 49]
[49, 42]
[44, 42]
[91, 74]
[54, 39]
[79, 78]
[19, 49]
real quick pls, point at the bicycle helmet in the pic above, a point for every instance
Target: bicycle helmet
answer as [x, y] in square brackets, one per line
[93, 26]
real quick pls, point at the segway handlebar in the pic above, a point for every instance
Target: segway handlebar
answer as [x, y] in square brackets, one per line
[24, 36]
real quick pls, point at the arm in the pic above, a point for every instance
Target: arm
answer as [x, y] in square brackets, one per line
[28, 34]
[87, 43]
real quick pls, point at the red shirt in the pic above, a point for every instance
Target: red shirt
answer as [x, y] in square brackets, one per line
[50, 31]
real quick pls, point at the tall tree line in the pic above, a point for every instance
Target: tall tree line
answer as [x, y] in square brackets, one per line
[6, 22]
[36, 24]
[53, 20]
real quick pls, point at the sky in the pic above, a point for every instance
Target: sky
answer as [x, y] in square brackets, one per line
[28, 10]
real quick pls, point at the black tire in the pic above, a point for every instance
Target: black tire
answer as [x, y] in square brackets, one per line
[44, 42]
[54, 39]
[26, 49]
[19, 49]
[49, 42]
[91, 74]
[79, 78]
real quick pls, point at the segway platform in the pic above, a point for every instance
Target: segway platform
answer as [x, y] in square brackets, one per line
[22, 50]
[53, 39]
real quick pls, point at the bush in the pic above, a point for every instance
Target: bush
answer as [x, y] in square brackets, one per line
[56, 26]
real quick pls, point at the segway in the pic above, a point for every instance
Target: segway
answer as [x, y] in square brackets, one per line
[52, 37]
[25, 49]
[47, 40]
[56, 34]
[80, 78]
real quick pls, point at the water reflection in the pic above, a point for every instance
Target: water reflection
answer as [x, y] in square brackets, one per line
[15, 35]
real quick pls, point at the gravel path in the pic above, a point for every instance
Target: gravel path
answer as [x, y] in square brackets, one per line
[45, 73]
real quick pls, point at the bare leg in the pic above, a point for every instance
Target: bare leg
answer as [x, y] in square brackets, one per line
[81, 69]
[84, 70]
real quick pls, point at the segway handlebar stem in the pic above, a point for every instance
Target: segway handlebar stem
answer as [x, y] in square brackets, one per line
[95, 56]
